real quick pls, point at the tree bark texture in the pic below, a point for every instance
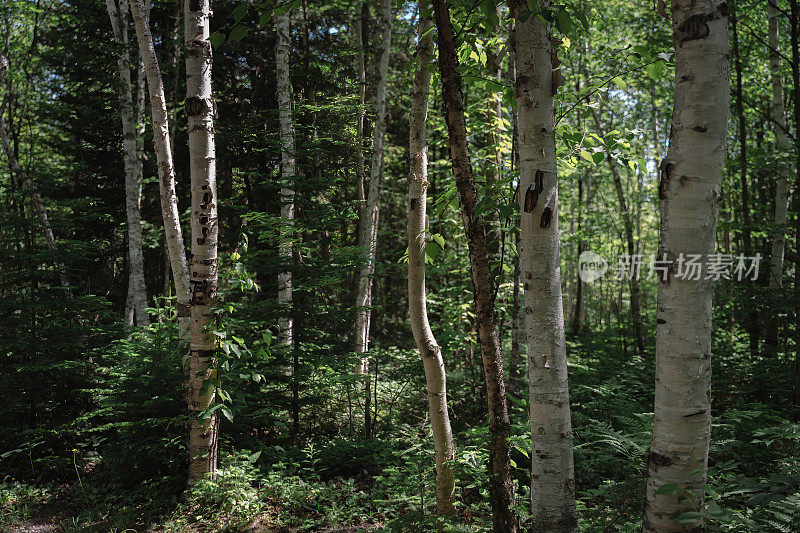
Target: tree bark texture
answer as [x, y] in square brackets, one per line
[288, 172]
[500, 487]
[783, 145]
[430, 351]
[137, 291]
[552, 474]
[166, 169]
[200, 111]
[689, 190]
[369, 222]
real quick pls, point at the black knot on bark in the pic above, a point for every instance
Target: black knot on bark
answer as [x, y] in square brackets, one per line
[198, 106]
[547, 216]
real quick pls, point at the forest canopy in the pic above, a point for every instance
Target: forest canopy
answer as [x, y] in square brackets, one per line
[383, 265]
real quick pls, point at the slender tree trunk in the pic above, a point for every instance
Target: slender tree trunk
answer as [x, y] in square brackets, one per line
[500, 486]
[689, 188]
[794, 20]
[141, 103]
[632, 248]
[552, 476]
[137, 292]
[783, 146]
[29, 186]
[166, 169]
[200, 112]
[516, 330]
[577, 312]
[417, 213]
[360, 20]
[752, 313]
[288, 171]
[369, 222]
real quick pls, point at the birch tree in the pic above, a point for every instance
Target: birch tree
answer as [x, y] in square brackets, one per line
[137, 292]
[631, 243]
[200, 110]
[29, 186]
[166, 169]
[429, 349]
[689, 190]
[500, 488]
[552, 475]
[783, 145]
[368, 238]
[288, 171]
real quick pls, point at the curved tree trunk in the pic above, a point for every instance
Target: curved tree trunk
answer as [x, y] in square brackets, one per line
[552, 476]
[137, 292]
[417, 207]
[205, 230]
[29, 186]
[369, 222]
[689, 189]
[166, 170]
[781, 184]
[500, 487]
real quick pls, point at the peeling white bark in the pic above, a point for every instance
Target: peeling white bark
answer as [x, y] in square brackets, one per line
[288, 172]
[200, 111]
[369, 222]
[137, 292]
[429, 349]
[552, 476]
[166, 169]
[689, 190]
[783, 144]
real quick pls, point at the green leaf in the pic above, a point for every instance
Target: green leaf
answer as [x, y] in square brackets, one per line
[619, 82]
[598, 157]
[240, 11]
[688, 517]
[439, 239]
[587, 156]
[226, 413]
[237, 34]
[216, 39]
[563, 21]
[667, 488]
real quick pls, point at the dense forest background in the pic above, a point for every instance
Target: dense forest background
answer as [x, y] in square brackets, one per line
[313, 434]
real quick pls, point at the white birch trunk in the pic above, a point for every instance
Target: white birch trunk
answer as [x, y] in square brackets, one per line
[552, 477]
[369, 223]
[137, 292]
[429, 349]
[166, 170]
[689, 189]
[29, 186]
[288, 172]
[783, 145]
[362, 95]
[200, 110]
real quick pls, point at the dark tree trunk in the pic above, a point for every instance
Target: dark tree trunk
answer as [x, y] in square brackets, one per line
[795, 20]
[500, 487]
[752, 316]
